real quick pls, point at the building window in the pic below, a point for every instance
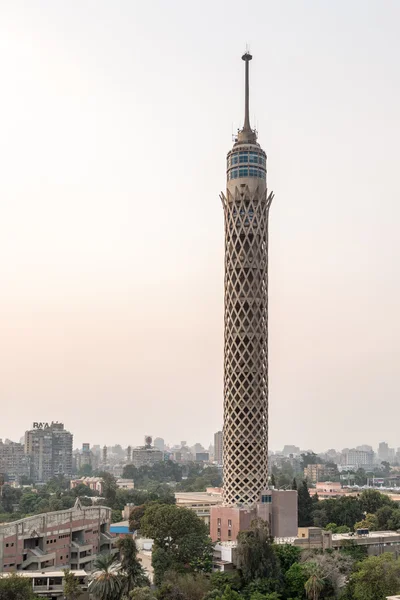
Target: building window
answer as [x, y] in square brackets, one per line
[229, 532]
[229, 523]
[266, 499]
[219, 522]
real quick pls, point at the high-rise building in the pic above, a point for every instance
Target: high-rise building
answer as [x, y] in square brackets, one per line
[245, 433]
[13, 461]
[246, 208]
[49, 447]
[383, 451]
[218, 447]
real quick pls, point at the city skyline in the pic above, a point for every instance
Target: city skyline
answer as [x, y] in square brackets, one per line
[112, 264]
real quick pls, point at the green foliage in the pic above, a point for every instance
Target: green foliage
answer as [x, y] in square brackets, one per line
[342, 511]
[337, 528]
[83, 490]
[134, 574]
[219, 580]
[15, 587]
[370, 522]
[109, 488]
[72, 587]
[287, 554]
[315, 582]
[142, 593]
[229, 594]
[10, 497]
[106, 581]
[372, 500]
[136, 516]
[200, 478]
[350, 548]
[256, 557]
[116, 516]
[295, 579]
[310, 458]
[161, 472]
[181, 541]
[305, 505]
[184, 587]
[375, 578]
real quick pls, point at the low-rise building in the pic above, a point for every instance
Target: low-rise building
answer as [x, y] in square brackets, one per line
[96, 483]
[200, 502]
[50, 584]
[66, 538]
[376, 542]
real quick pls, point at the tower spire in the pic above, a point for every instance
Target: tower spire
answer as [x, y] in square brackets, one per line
[247, 135]
[247, 58]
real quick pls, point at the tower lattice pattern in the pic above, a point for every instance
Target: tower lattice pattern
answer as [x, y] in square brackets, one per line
[246, 343]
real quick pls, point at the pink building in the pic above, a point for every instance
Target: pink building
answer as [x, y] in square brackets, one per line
[67, 538]
[277, 507]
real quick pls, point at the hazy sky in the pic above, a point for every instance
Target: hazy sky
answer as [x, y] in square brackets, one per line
[115, 120]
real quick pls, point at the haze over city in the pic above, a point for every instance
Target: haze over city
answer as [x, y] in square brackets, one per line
[116, 119]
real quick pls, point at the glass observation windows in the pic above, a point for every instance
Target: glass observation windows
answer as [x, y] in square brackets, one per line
[246, 172]
[254, 158]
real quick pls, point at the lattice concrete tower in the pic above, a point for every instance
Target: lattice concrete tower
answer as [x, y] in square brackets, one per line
[246, 207]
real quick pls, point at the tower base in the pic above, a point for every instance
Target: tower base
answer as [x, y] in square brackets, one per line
[277, 507]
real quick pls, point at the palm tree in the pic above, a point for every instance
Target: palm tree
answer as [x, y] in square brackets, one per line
[133, 572]
[315, 583]
[107, 579]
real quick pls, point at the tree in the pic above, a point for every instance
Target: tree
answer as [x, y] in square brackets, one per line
[109, 488]
[229, 594]
[334, 567]
[72, 587]
[272, 481]
[287, 554]
[315, 582]
[106, 581]
[136, 516]
[294, 484]
[384, 515]
[9, 497]
[372, 500]
[370, 522]
[29, 503]
[376, 578]
[184, 586]
[142, 593]
[256, 558]
[305, 505]
[83, 490]
[310, 458]
[360, 477]
[134, 573]
[181, 541]
[16, 587]
[295, 579]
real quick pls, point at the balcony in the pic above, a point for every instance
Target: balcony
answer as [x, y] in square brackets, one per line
[80, 547]
[38, 558]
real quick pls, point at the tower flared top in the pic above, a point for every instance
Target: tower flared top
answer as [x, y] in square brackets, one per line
[247, 134]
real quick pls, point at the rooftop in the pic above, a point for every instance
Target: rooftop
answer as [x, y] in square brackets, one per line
[32, 574]
[371, 534]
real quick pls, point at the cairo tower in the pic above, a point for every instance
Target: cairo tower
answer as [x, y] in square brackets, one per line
[246, 207]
